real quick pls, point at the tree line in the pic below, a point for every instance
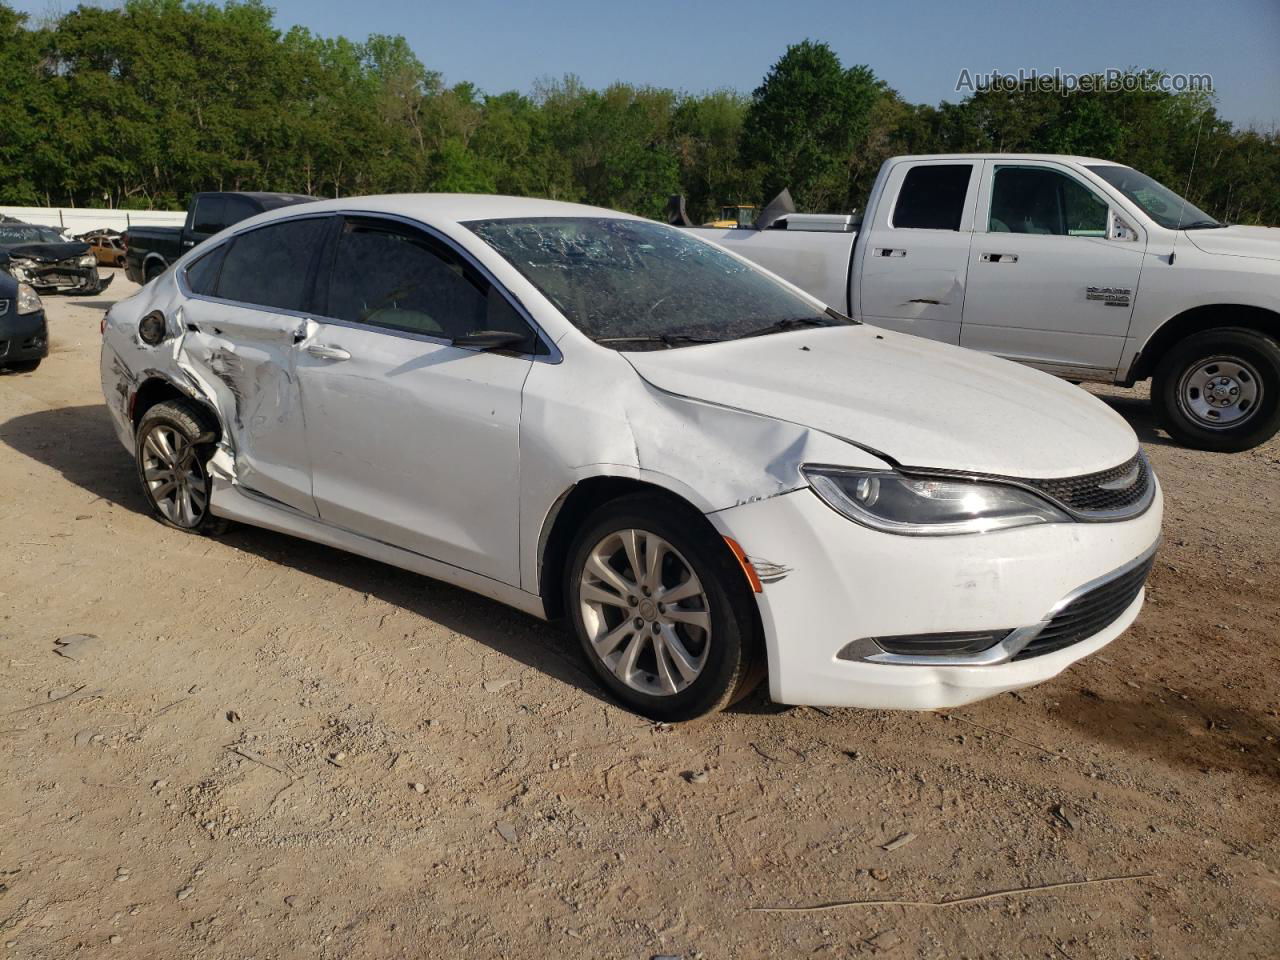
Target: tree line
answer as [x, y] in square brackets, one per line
[139, 106]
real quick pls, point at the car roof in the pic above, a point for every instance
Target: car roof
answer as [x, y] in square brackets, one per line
[462, 207]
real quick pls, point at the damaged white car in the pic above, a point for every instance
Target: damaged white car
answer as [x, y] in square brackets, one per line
[711, 475]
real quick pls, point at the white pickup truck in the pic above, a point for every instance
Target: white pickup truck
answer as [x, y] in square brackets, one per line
[1083, 268]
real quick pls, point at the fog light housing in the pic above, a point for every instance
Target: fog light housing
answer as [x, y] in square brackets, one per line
[923, 645]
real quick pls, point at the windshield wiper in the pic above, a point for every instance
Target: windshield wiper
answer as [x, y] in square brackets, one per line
[666, 339]
[782, 326]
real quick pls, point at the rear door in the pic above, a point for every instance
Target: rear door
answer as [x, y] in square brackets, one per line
[914, 255]
[242, 318]
[1048, 285]
[413, 441]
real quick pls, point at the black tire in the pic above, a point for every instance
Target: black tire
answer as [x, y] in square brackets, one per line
[23, 366]
[184, 420]
[1173, 391]
[734, 656]
[151, 271]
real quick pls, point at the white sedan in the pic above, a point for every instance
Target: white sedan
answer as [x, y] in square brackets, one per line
[580, 413]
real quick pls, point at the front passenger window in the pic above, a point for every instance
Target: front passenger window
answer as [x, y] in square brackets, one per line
[1038, 200]
[403, 279]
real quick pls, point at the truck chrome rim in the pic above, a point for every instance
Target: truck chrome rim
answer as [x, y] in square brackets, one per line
[1220, 392]
[645, 611]
[173, 475]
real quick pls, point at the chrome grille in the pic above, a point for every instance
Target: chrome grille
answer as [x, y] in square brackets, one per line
[1101, 492]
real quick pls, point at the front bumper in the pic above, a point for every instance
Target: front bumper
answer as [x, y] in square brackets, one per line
[23, 336]
[65, 276]
[834, 582]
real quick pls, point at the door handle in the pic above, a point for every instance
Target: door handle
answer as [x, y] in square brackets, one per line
[322, 352]
[889, 252]
[999, 258]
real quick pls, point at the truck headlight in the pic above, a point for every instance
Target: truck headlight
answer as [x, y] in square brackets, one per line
[28, 299]
[927, 506]
[88, 260]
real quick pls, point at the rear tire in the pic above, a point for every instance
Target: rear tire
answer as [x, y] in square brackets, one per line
[22, 366]
[172, 467]
[661, 608]
[151, 271]
[1220, 389]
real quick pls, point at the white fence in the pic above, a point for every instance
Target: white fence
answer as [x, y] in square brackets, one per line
[85, 219]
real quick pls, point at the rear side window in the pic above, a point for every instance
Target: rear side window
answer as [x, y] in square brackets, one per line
[210, 216]
[202, 275]
[932, 197]
[402, 279]
[271, 266]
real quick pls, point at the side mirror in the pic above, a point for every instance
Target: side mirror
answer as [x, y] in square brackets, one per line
[490, 340]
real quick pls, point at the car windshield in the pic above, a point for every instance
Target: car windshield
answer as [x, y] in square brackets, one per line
[28, 233]
[636, 284]
[1156, 200]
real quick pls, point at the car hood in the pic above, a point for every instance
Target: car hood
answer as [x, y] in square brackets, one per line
[45, 252]
[1261, 242]
[916, 402]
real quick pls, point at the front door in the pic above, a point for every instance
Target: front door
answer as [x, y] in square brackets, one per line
[1047, 285]
[914, 257]
[240, 325]
[413, 441]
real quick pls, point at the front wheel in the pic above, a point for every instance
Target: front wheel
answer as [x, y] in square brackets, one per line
[662, 609]
[1220, 390]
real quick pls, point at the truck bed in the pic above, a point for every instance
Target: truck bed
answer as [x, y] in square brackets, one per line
[817, 262]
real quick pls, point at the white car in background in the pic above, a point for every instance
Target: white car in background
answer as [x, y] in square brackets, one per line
[578, 412]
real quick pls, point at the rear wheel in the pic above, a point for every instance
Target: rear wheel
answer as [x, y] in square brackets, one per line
[662, 609]
[22, 366]
[172, 456]
[152, 270]
[1220, 389]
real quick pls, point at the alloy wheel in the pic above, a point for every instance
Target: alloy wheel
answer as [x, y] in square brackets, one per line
[174, 477]
[647, 615]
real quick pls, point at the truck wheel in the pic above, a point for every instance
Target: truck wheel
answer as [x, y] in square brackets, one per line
[151, 271]
[1220, 390]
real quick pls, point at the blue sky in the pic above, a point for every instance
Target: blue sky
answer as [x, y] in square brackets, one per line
[918, 48]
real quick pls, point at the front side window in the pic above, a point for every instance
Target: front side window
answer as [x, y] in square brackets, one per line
[271, 266]
[1043, 201]
[932, 197]
[403, 279]
[617, 279]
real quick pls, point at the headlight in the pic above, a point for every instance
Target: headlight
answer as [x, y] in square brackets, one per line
[88, 260]
[21, 269]
[923, 506]
[28, 299]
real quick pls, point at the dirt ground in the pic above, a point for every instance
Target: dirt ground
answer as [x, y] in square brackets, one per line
[273, 749]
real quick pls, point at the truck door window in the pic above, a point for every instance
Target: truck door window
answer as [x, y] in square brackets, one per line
[237, 209]
[1039, 200]
[932, 196]
[208, 218]
[271, 266]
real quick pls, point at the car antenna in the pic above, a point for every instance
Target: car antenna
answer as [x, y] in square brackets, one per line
[1190, 173]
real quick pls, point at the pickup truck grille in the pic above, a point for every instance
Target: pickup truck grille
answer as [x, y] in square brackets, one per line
[1089, 613]
[1118, 489]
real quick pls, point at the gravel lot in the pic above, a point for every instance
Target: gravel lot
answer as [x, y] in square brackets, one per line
[273, 749]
